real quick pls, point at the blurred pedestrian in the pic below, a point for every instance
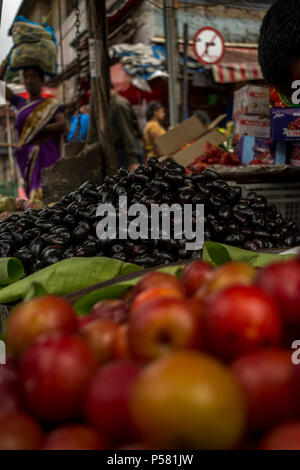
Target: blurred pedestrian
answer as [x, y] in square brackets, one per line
[155, 116]
[125, 131]
[79, 124]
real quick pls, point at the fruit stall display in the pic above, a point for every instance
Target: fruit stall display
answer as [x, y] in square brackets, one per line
[10, 205]
[213, 155]
[68, 228]
[201, 360]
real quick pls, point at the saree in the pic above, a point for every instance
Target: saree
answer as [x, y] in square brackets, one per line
[31, 158]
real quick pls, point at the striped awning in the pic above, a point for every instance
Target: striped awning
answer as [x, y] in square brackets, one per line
[238, 65]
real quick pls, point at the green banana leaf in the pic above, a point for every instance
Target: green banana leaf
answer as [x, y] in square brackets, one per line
[214, 253]
[218, 254]
[11, 270]
[84, 305]
[67, 276]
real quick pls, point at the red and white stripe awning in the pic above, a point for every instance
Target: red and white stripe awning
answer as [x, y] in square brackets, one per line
[238, 65]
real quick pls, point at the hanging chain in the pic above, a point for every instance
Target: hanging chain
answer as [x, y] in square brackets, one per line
[61, 52]
[78, 53]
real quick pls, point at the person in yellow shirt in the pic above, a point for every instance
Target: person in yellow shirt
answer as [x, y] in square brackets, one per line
[155, 116]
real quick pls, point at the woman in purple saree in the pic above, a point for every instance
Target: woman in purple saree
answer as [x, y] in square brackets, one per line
[40, 123]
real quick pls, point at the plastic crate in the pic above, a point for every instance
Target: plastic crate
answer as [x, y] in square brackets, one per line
[285, 196]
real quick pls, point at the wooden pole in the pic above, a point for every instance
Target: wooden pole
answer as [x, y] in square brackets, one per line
[185, 81]
[9, 141]
[101, 84]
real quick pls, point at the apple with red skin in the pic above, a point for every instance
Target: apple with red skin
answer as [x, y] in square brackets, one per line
[121, 349]
[195, 275]
[227, 275]
[157, 279]
[157, 292]
[74, 437]
[162, 325]
[10, 396]
[19, 431]
[282, 282]
[55, 373]
[38, 316]
[111, 309]
[99, 335]
[107, 401]
[267, 378]
[284, 437]
[239, 320]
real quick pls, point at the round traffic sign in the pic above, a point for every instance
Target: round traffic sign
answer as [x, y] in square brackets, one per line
[209, 45]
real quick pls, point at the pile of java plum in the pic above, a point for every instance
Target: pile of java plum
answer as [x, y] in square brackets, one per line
[68, 228]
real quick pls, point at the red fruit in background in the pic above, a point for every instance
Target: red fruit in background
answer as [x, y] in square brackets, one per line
[239, 320]
[10, 397]
[197, 306]
[284, 437]
[19, 431]
[38, 316]
[99, 335]
[54, 373]
[157, 279]
[155, 293]
[84, 320]
[121, 348]
[162, 325]
[195, 275]
[107, 401]
[74, 437]
[111, 309]
[282, 282]
[268, 380]
[229, 274]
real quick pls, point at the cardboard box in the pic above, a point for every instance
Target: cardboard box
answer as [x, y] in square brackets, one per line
[285, 124]
[251, 100]
[277, 100]
[294, 153]
[267, 151]
[254, 126]
[187, 141]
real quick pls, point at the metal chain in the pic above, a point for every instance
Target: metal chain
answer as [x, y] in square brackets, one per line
[78, 53]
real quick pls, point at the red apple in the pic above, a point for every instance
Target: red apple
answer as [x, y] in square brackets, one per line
[157, 292]
[121, 349]
[239, 320]
[161, 326]
[282, 282]
[107, 401]
[19, 431]
[84, 320]
[55, 373]
[228, 275]
[157, 279]
[38, 316]
[99, 335]
[111, 309]
[74, 437]
[195, 275]
[10, 396]
[188, 400]
[267, 378]
[284, 437]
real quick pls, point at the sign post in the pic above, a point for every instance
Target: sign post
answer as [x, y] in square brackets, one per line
[209, 46]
